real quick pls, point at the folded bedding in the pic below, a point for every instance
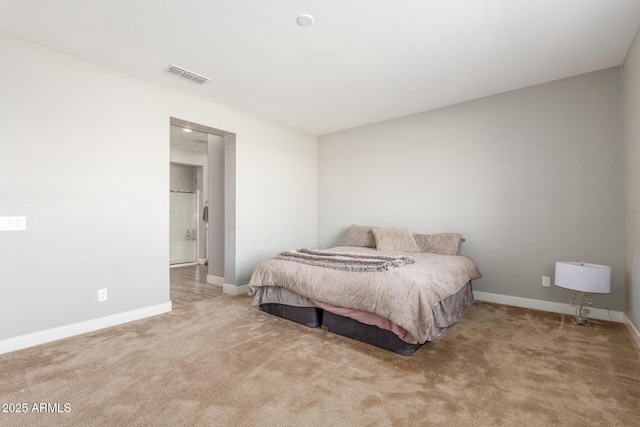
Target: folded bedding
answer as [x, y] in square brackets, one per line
[404, 295]
[346, 261]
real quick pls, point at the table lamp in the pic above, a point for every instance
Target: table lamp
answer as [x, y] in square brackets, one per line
[583, 279]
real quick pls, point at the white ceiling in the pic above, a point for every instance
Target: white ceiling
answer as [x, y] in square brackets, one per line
[362, 61]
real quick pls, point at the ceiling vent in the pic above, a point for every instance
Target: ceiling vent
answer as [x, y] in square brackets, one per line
[179, 71]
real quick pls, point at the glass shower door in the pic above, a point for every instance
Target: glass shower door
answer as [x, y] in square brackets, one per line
[183, 217]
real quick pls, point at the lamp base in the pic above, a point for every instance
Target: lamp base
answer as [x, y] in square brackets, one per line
[580, 321]
[581, 301]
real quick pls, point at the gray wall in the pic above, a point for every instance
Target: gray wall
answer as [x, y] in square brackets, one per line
[631, 143]
[183, 178]
[216, 148]
[85, 155]
[529, 177]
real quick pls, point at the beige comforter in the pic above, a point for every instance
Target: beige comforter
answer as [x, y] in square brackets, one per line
[403, 295]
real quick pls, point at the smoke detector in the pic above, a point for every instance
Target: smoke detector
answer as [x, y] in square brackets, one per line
[183, 72]
[304, 20]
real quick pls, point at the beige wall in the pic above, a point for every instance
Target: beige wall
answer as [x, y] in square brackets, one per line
[529, 177]
[631, 144]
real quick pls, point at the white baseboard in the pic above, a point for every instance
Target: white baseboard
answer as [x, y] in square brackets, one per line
[184, 264]
[235, 290]
[554, 307]
[202, 261]
[54, 334]
[633, 331]
[215, 280]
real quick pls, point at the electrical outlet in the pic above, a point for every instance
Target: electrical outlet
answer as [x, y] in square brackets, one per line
[546, 281]
[102, 295]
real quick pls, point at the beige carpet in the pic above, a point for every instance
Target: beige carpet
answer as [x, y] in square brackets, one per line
[222, 362]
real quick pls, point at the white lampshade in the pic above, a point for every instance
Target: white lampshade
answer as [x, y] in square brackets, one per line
[582, 277]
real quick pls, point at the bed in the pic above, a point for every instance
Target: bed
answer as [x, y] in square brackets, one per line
[394, 299]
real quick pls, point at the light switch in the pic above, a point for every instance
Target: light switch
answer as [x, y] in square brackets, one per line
[13, 223]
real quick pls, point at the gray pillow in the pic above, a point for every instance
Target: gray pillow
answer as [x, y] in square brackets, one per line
[359, 235]
[395, 239]
[443, 243]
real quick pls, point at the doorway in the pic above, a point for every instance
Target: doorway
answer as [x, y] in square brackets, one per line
[205, 158]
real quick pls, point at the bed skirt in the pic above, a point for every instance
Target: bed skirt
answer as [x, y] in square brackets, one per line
[291, 306]
[368, 334]
[308, 316]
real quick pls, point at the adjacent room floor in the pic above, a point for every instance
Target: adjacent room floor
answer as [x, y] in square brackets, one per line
[189, 284]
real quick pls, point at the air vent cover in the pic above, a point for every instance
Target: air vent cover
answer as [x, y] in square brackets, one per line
[182, 72]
